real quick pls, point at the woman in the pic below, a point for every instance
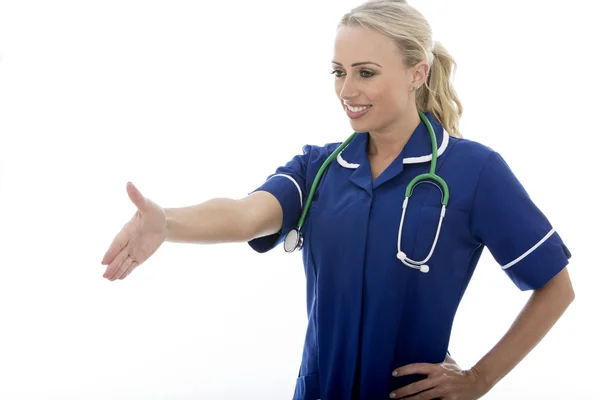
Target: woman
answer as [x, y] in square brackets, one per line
[380, 302]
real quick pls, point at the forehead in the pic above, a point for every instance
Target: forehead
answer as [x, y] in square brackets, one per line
[357, 43]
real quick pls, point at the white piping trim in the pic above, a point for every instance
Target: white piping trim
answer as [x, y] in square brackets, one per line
[538, 244]
[427, 158]
[408, 160]
[345, 163]
[295, 183]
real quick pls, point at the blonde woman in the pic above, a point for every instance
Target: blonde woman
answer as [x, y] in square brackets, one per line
[387, 257]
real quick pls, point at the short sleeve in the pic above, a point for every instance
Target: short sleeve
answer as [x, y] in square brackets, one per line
[518, 235]
[288, 185]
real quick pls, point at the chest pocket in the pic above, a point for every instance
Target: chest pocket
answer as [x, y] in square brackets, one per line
[421, 226]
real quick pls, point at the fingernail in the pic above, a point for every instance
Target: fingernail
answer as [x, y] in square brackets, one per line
[393, 396]
[395, 373]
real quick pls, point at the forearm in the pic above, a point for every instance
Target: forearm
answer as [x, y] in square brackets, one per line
[544, 308]
[215, 221]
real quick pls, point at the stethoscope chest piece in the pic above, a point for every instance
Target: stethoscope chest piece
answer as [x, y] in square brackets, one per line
[293, 241]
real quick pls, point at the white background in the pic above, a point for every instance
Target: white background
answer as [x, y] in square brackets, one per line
[195, 100]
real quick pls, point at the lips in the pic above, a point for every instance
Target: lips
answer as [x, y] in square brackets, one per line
[356, 111]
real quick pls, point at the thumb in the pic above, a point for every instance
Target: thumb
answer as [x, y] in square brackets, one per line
[136, 197]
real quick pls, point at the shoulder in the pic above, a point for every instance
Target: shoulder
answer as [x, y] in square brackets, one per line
[471, 162]
[479, 162]
[470, 153]
[470, 149]
[317, 150]
[319, 153]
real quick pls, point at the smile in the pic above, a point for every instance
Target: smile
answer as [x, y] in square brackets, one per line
[356, 109]
[355, 112]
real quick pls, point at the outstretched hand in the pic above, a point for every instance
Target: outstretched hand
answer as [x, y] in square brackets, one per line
[138, 239]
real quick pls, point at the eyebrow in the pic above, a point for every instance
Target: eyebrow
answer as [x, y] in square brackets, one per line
[358, 63]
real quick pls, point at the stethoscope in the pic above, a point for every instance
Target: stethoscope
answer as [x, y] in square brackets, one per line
[294, 239]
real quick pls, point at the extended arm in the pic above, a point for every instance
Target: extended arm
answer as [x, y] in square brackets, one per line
[224, 220]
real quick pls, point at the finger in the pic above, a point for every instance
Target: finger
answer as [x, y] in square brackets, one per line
[136, 197]
[118, 243]
[129, 270]
[417, 387]
[122, 268]
[433, 394]
[116, 263]
[417, 368]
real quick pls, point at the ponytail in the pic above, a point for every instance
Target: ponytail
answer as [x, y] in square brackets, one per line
[438, 95]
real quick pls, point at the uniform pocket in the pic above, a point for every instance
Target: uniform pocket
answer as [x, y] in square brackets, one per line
[307, 388]
[453, 243]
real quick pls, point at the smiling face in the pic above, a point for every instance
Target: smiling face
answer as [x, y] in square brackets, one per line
[371, 80]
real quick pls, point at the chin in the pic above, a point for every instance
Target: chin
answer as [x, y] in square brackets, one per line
[364, 123]
[360, 126]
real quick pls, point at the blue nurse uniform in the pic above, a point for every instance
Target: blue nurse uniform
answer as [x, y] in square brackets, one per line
[368, 313]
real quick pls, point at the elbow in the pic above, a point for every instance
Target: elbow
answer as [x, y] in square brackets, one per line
[568, 297]
[560, 288]
[246, 233]
[568, 290]
[248, 227]
[571, 296]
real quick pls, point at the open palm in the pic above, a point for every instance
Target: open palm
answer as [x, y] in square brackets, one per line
[138, 239]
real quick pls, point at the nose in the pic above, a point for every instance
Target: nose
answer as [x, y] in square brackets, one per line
[348, 89]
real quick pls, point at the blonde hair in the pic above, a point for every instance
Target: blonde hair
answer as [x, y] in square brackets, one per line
[412, 34]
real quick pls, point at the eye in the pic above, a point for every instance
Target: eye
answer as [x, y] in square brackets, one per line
[337, 72]
[365, 73]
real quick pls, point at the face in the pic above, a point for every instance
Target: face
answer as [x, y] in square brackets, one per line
[371, 80]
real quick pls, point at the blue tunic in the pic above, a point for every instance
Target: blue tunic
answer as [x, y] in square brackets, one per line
[368, 313]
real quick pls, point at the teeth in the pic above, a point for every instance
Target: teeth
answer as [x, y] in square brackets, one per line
[356, 109]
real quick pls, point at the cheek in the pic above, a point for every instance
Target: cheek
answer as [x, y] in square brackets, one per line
[386, 97]
[401, 99]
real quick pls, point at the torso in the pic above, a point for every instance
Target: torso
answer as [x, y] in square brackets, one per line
[365, 308]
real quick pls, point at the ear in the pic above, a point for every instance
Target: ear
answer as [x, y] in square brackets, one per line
[419, 74]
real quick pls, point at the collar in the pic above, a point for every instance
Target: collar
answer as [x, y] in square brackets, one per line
[417, 150]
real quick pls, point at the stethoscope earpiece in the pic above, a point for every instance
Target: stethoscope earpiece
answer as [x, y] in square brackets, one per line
[406, 261]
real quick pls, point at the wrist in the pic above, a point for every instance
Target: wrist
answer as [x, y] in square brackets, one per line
[169, 223]
[483, 379]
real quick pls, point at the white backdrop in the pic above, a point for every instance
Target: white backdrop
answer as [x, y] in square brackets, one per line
[195, 100]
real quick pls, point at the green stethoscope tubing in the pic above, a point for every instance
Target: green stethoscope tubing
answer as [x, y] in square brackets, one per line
[431, 176]
[318, 178]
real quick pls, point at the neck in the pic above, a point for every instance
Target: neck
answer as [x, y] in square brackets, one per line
[389, 142]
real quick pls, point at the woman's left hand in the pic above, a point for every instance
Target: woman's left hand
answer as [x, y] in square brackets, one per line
[446, 381]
